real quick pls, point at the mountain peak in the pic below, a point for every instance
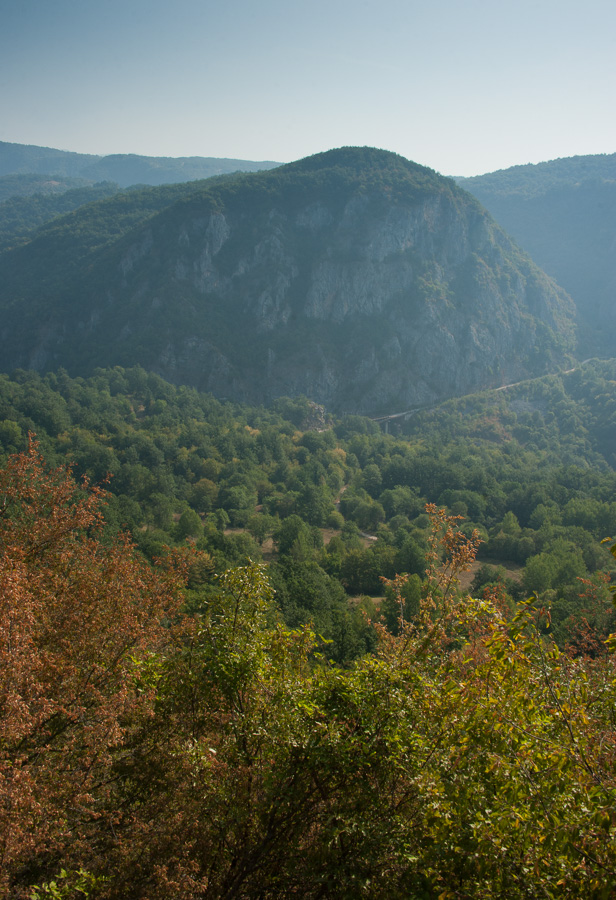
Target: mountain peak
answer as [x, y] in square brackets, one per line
[364, 162]
[360, 279]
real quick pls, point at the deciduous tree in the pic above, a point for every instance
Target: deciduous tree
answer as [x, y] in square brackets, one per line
[78, 614]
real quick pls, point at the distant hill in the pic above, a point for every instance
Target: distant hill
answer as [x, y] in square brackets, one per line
[564, 214]
[27, 185]
[536, 180]
[21, 213]
[26, 159]
[128, 169]
[355, 277]
[123, 168]
[38, 184]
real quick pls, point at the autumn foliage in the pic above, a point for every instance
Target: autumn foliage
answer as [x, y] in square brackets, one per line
[77, 614]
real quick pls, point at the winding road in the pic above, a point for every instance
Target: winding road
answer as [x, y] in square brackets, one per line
[503, 387]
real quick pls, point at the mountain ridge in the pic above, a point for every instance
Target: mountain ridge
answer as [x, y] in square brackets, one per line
[355, 277]
[125, 169]
[563, 213]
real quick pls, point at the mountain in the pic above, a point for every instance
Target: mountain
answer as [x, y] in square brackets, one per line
[24, 159]
[355, 277]
[127, 169]
[123, 168]
[22, 213]
[563, 213]
[37, 184]
[14, 186]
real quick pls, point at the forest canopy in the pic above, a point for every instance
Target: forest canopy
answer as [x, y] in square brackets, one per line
[218, 752]
[333, 505]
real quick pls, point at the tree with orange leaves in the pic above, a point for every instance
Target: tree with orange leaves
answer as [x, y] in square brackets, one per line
[77, 615]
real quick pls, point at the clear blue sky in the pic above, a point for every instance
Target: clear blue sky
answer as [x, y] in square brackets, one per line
[463, 87]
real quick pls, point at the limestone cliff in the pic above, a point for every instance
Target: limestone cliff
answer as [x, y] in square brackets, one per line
[362, 280]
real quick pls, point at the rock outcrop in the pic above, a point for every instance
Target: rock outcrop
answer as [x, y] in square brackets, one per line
[563, 213]
[357, 278]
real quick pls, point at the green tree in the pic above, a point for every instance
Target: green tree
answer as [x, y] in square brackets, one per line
[189, 525]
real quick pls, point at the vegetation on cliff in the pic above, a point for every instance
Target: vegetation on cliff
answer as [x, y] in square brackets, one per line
[563, 213]
[336, 277]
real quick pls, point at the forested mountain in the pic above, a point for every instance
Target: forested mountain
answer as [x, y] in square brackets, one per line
[563, 213]
[39, 203]
[123, 168]
[13, 186]
[354, 277]
[536, 180]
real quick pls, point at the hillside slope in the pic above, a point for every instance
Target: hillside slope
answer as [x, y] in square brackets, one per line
[563, 213]
[356, 277]
[22, 213]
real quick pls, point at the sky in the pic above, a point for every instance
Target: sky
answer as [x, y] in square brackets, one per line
[463, 87]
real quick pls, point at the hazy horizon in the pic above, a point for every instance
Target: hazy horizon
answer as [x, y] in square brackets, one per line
[464, 89]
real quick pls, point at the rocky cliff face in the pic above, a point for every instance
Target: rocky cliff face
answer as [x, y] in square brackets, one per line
[563, 213]
[359, 279]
